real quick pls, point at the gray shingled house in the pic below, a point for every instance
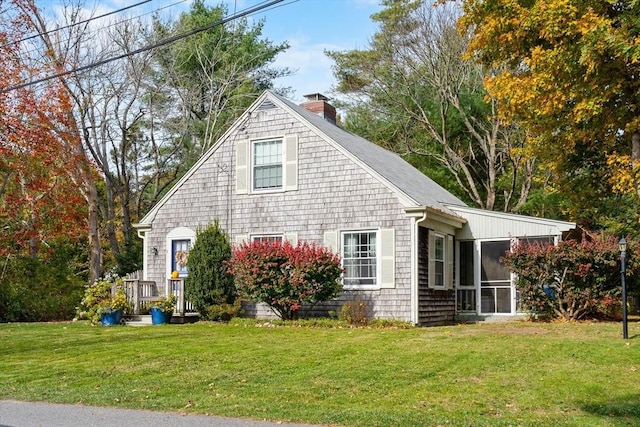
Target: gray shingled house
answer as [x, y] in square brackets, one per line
[283, 171]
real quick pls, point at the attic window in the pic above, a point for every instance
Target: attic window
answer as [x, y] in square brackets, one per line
[267, 104]
[267, 164]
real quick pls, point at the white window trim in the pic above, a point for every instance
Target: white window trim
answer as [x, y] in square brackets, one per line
[251, 162]
[256, 236]
[378, 258]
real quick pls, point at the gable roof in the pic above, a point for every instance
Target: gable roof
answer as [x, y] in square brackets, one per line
[402, 176]
[411, 185]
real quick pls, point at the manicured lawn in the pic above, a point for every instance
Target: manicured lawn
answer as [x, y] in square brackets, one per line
[517, 374]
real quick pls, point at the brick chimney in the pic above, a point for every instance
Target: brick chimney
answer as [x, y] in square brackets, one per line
[318, 104]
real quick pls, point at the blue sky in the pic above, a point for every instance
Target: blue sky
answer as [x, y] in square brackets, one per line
[310, 27]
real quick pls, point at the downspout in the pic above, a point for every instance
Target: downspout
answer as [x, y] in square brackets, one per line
[142, 230]
[417, 214]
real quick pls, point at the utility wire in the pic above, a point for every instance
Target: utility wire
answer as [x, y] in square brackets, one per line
[160, 43]
[101, 29]
[75, 24]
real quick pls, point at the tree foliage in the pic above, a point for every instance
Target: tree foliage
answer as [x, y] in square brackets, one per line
[39, 202]
[286, 277]
[142, 120]
[42, 289]
[412, 92]
[213, 75]
[573, 279]
[571, 76]
[209, 283]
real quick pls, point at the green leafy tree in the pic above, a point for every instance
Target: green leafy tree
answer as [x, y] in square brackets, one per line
[209, 283]
[286, 277]
[213, 75]
[412, 92]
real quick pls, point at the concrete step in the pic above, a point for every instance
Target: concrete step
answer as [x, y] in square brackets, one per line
[138, 320]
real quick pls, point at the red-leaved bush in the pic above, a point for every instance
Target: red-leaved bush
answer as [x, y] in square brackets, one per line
[286, 277]
[573, 279]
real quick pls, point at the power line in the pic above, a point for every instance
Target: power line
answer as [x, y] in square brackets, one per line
[101, 29]
[75, 24]
[161, 43]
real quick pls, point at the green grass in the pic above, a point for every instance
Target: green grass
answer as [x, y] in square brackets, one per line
[510, 374]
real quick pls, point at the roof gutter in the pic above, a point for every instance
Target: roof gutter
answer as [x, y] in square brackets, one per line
[142, 230]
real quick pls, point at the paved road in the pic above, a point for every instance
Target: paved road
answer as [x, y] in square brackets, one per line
[30, 414]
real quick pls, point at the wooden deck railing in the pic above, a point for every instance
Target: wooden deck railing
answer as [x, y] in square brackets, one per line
[141, 293]
[176, 287]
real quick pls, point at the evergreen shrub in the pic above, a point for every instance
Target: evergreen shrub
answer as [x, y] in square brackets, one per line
[208, 282]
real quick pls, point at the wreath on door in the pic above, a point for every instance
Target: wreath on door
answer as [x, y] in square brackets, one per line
[182, 257]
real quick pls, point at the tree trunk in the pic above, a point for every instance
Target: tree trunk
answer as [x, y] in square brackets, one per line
[111, 217]
[95, 247]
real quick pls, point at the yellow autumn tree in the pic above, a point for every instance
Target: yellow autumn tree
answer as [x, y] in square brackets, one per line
[573, 79]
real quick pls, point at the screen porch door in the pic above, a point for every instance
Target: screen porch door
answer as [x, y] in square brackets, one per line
[496, 292]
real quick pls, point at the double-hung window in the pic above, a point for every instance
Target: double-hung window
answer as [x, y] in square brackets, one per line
[438, 261]
[360, 258]
[267, 164]
[267, 238]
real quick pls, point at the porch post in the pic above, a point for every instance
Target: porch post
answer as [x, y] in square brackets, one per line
[135, 295]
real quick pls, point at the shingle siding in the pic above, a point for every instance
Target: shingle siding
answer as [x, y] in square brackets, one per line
[435, 306]
[334, 193]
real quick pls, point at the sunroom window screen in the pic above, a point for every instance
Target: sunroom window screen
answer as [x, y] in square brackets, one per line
[267, 164]
[359, 258]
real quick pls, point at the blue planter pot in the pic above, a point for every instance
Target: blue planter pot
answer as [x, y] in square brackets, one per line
[159, 317]
[111, 318]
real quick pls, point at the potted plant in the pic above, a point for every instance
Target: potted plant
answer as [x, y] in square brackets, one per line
[111, 310]
[98, 300]
[162, 310]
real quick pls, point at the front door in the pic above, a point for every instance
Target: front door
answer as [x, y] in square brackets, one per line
[179, 251]
[496, 294]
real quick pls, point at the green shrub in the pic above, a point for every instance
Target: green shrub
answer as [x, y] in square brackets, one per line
[37, 290]
[286, 277]
[223, 312]
[209, 283]
[98, 299]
